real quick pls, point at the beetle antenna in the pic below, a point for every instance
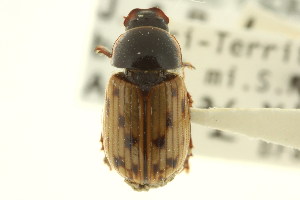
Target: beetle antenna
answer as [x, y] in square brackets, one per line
[103, 50]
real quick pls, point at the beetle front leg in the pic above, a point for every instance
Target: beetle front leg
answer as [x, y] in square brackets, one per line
[188, 65]
[103, 50]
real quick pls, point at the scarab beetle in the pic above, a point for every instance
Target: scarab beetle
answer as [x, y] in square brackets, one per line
[146, 124]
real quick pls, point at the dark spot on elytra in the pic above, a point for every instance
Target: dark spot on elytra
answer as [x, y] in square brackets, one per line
[172, 162]
[107, 106]
[169, 120]
[159, 142]
[174, 92]
[116, 92]
[135, 169]
[119, 162]
[129, 174]
[182, 105]
[121, 121]
[129, 140]
[155, 168]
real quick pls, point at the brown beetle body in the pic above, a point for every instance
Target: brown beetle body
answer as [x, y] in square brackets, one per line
[146, 134]
[146, 125]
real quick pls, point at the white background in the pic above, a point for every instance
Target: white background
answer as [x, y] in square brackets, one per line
[49, 139]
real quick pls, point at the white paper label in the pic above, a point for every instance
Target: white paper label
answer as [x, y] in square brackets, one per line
[233, 69]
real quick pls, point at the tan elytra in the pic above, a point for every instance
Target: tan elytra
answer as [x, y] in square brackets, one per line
[146, 134]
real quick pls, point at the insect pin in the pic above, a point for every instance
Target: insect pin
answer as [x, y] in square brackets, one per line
[146, 124]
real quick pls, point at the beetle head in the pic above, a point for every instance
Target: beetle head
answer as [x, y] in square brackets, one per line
[146, 17]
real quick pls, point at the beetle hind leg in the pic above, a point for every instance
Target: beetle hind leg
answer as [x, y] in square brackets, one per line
[186, 166]
[105, 160]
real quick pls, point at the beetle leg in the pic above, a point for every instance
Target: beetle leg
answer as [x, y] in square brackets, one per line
[190, 99]
[188, 65]
[103, 50]
[186, 163]
[183, 74]
[107, 163]
[101, 140]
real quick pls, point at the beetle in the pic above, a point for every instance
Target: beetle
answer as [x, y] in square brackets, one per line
[146, 124]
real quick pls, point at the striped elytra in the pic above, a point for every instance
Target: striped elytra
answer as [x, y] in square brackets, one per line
[146, 135]
[146, 123]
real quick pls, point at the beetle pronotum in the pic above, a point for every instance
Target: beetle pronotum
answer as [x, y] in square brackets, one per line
[146, 125]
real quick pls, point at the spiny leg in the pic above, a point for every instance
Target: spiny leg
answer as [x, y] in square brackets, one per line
[103, 50]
